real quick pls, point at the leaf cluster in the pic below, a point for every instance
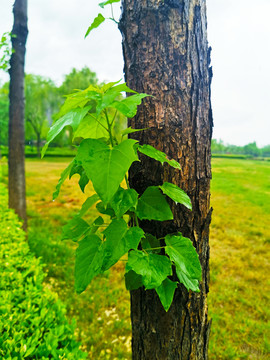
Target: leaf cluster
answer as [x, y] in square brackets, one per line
[104, 158]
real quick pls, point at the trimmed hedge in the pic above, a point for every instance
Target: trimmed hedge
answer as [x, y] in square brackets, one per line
[32, 319]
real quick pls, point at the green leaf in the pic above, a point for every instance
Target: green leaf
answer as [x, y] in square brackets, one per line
[152, 205]
[78, 169]
[107, 2]
[75, 229]
[92, 127]
[88, 263]
[90, 201]
[124, 200]
[183, 254]
[96, 225]
[153, 268]
[79, 99]
[105, 209]
[128, 106]
[150, 242]
[133, 281]
[190, 284]
[72, 118]
[176, 194]
[160, 156]
[63, 177]
[95, 24]
[106, 167]
[119, 240]
[165, 292]
[129, 130]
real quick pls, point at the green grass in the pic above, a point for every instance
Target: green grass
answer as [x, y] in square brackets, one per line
[240, 237]
[240, 240]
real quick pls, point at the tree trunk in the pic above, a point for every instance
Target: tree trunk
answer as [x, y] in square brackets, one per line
[16, 112]
[166, 55]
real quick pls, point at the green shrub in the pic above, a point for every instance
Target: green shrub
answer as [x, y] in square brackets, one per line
[32, 319]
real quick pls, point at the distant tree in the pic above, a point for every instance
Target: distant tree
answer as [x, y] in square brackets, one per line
[16, 184]
[42, 101]
[266, 151]
[252, 149]
[78, 79]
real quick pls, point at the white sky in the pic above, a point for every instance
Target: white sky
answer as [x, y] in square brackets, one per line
[238, 31]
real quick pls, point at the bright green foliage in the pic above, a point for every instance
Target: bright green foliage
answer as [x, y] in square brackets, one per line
[185, 258]
[33, 324]
[153, 268]
[152, 205]
[106, 167]
[97, 21]
[124, 200]
[107, 3]
[176, 194]
[157, 155]
[89, 259]
[165, 292]
[63, 177]
[5, 51]
[104, 160]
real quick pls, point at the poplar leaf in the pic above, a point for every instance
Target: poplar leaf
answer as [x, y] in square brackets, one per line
[129, 130]
[75, 229]
[92, 127]
[128, 106]
[124, 200]
[78, 169]
[166, 292]
[133, 281]
[107, 3]
[106, 167]
[152, 205]
[189, 283]
[88, 262]
[119, 240]
[160, 156]
[95, 24]
[176, 194]
[72, 118]
[183, 254]
[63, 177]
[90, 201]
[153, 268]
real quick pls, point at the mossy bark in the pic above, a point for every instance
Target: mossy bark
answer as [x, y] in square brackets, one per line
[16, 112]
[166, 55]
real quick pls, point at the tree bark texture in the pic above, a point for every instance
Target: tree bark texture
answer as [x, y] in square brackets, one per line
[16, 112]
[166, 55]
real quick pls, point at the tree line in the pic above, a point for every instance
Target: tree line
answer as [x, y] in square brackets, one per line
[43, 99]
[251, 149]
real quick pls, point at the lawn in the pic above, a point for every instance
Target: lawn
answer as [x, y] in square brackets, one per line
[240, 237]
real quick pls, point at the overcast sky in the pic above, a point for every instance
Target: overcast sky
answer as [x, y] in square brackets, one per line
[238, 32]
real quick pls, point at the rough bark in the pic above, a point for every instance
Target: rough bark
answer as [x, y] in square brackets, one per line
[166, 55]
[16, 112]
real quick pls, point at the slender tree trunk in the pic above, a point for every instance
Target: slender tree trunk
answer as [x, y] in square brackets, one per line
[166, 55]
[16, 112]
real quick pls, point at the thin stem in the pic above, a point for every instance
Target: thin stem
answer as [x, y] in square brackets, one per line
[156, 248]
[109, 127]
[98, 122]
[114, 117]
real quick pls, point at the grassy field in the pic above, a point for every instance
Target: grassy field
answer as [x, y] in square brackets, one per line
[240, 238]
